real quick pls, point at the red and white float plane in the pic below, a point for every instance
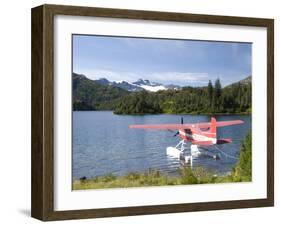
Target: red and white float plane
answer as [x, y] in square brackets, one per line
[198, 134]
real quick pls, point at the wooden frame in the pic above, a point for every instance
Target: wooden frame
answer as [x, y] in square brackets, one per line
[42, 205]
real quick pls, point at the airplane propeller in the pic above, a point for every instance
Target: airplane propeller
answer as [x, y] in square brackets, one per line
[177, 133]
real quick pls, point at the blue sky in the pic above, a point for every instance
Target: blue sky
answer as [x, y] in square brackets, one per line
[179, 62]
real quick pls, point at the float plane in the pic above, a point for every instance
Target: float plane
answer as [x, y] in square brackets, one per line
[198, 134]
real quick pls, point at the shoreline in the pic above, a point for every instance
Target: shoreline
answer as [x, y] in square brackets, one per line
[192, 114]
[187, 176]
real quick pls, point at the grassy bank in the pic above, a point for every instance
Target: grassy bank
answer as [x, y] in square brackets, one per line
[148, 178]
[242, 172]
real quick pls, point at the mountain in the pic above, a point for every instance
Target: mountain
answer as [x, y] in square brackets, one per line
[245, 81]
[146, 82]
[149, 86]
[121, 84]
[232, 99]
[139, 85]
[103, 81]
[127, 86]
[121, 97]
[92, 95]
[174, 87]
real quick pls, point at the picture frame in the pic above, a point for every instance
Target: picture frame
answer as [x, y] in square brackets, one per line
[43, 107]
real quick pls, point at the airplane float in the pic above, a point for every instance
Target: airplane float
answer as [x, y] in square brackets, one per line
[198, 134]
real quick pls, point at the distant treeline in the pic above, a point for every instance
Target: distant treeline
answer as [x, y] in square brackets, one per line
[235, 98]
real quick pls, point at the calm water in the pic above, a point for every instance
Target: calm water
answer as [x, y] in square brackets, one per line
[103, 144]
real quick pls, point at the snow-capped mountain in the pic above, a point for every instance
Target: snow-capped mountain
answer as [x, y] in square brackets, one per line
[150, 86]
[138, 85]
[127, 86]
[121, 84]
[146, 82]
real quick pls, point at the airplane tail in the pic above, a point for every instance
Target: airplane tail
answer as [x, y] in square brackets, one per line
[213, 128]
[213, 133]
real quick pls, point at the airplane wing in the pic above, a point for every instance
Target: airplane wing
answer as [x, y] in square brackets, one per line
[185, 126]
[219, 123]
[162, 126]
[229, 123]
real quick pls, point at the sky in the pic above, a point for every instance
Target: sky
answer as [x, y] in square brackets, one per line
[167, 61]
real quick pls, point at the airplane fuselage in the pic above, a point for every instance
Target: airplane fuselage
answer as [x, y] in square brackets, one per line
[203, 134]
[195, 136]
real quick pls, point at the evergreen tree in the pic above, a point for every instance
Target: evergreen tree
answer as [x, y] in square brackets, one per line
[243, 169]
[217, 95]
[235, 98]
[210, 93]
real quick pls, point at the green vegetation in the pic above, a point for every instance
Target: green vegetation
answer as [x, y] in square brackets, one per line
[242, 172]
[90, 95]
[243, 169]
[235, 98]
[149, 178]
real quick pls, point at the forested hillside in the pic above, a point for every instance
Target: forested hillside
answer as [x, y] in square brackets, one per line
[89, 95]
[235, 98]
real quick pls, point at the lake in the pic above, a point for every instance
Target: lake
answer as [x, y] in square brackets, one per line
[103, 144]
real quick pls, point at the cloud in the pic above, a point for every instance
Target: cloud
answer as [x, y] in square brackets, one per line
[177, 78]
[180, 77]
[108, 74]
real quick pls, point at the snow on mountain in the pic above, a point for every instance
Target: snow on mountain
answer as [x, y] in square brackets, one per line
[153, 88]
[146, 82]
[149, 86]
[138, 85]
[127, 86]
[171, 86]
